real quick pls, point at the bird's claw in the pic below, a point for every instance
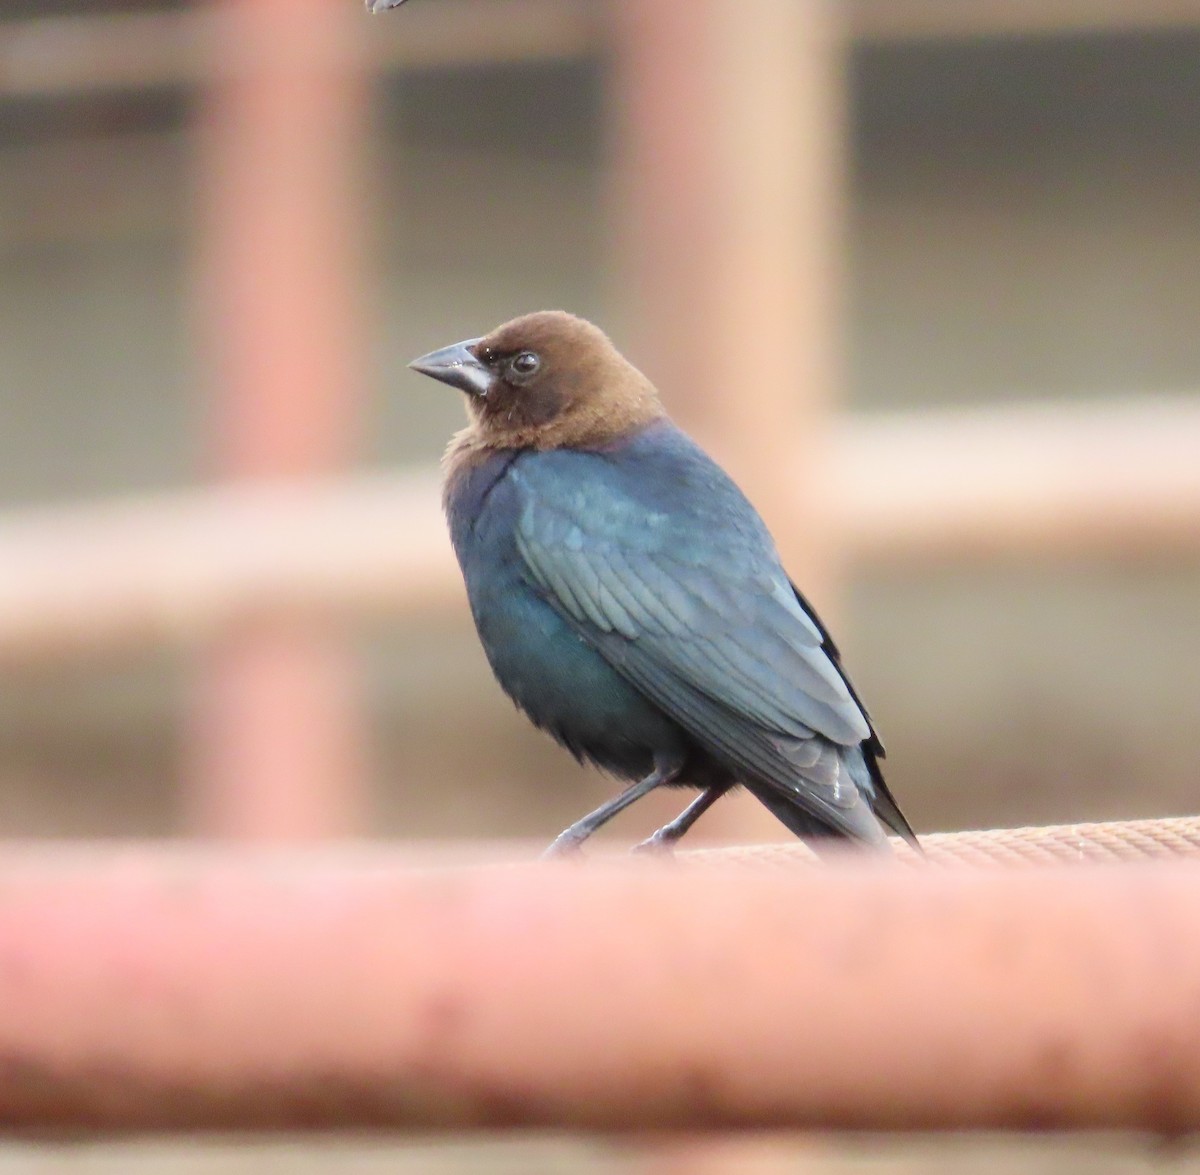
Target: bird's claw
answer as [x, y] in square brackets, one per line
[658, 846]
[563, 847]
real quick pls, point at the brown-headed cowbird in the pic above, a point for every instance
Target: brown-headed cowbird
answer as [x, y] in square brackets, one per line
[630, 599]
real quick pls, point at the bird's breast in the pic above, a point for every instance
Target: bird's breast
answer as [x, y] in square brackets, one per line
[544, 665]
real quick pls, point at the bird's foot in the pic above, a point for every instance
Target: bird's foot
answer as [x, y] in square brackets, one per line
[564, 846]
[656, 845]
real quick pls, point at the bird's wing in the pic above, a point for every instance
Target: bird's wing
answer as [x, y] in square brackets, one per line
[685, 596]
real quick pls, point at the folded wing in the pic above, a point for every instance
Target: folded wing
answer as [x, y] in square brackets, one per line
[685, 596]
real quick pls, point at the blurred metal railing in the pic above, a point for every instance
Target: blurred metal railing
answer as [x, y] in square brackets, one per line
[730, 244]
[46, 56]
[154, 989]
[123, 51]
[1110, 480]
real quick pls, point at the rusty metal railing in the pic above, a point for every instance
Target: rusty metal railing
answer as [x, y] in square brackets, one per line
[149, 988]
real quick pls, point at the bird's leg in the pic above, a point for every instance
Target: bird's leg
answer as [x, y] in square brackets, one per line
[666, 836]
[574, 836]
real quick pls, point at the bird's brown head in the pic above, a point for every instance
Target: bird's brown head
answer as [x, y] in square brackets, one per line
[546, 380]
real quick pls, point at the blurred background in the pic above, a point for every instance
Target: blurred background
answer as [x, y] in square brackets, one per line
[924, 275]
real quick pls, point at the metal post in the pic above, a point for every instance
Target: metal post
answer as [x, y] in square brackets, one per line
[728, 137]
[276, 731]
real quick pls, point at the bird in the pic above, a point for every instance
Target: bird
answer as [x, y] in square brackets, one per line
[631, 601]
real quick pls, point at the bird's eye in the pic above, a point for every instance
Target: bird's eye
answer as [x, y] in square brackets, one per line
[524, 364]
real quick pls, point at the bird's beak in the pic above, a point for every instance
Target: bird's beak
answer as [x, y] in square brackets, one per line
[458, 367]
[374, 6]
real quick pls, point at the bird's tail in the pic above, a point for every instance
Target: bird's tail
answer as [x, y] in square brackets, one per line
[815, 833]
[863, 762]
[864, 822]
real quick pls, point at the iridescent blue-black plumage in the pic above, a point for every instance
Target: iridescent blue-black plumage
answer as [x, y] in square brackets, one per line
[629, 598]
[548, 669]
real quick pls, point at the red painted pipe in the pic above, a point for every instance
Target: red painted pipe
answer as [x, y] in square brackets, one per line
[149, 988]
[277, 737]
